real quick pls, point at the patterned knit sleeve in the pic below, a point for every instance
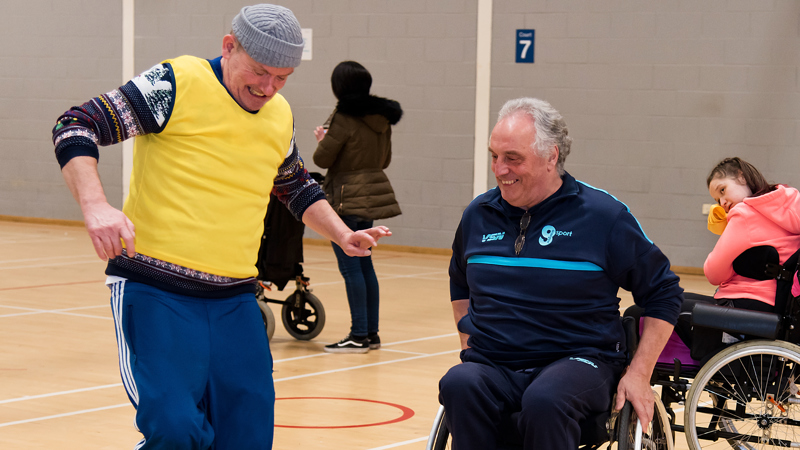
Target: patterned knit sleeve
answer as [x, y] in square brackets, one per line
[141, 106]
[294, 187]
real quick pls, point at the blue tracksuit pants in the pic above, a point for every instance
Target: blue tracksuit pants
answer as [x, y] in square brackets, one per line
[554, 400]
[198, 371]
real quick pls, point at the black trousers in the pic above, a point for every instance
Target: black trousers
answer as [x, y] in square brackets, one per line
[552, 401]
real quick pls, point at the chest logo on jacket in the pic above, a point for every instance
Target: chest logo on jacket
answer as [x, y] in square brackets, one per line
[492, 237]
[548, 232]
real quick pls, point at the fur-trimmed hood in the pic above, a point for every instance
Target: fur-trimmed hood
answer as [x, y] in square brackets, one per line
[365, 106]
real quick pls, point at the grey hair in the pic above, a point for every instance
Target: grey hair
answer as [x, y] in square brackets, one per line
[551, 130]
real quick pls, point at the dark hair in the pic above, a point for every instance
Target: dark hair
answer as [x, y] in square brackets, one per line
[350, 80]
[738, 168]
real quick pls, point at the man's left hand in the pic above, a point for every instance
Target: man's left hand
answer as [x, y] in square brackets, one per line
[635, 383]
[359, 242]
[636, 389]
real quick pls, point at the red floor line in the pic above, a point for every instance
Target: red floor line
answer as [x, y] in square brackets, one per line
[407, 413]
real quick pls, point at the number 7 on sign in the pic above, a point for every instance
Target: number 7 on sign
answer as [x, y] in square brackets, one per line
[525, 45]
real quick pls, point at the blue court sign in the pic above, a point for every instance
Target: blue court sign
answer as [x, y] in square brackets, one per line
[525, 40]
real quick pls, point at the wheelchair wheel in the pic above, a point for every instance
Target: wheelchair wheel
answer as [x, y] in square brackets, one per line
[268, 317]
[439, 438]
[657, 435]
[746, 397]
[303, 315]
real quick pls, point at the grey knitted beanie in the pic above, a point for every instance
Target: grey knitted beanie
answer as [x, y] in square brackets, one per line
[270, 34]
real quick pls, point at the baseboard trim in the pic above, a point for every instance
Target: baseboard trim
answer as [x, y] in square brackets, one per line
[684, 270]
[390, 247]
[41, 220]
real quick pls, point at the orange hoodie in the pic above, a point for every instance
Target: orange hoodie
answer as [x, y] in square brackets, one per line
[769, 219]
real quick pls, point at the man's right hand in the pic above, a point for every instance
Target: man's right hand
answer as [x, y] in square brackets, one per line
[108, 227]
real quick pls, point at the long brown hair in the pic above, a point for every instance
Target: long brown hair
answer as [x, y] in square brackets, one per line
[738, 168]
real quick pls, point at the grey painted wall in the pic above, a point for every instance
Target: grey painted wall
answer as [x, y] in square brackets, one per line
[655, 92]
[57, 54]
[422, 54]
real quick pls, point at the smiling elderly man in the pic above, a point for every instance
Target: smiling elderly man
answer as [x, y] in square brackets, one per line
[214, 138]
[536, 267]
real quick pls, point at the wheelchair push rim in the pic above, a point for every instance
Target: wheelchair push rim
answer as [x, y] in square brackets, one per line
[657, 436]
[745, 398]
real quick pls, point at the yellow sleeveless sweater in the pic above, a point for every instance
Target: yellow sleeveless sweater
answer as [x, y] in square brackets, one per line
[200, 188]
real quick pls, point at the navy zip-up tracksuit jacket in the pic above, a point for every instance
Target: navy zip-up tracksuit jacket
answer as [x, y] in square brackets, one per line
[558, 298]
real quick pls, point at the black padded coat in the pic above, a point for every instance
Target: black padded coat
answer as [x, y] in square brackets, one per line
[356, 149]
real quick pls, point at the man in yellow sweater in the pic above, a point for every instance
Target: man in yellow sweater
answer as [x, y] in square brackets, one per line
[214, 139]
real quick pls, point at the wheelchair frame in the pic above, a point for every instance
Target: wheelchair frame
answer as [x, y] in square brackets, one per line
[745, 395]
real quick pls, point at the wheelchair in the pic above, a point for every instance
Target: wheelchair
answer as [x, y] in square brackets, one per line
[279, 262]
[622, 428]
[741, 395]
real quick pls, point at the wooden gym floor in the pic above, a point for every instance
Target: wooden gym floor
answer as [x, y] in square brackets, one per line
[59, 379]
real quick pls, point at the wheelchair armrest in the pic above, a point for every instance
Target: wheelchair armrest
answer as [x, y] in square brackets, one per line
[736, 321]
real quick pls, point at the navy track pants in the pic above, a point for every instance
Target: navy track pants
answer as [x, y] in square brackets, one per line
[553, 400]
[198, 371]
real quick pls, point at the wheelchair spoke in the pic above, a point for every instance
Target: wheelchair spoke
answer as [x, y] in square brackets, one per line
[753, 398]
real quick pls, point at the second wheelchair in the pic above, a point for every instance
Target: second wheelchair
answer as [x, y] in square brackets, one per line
[744, 394]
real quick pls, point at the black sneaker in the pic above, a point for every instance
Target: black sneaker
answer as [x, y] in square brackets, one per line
[349, 345]
[374, 341]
